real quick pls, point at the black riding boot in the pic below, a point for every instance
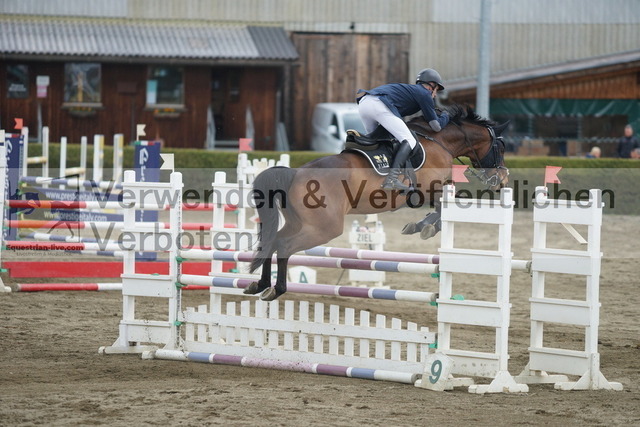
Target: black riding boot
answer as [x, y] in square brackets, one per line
[392, 182]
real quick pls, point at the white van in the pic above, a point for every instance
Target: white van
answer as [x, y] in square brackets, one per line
[330, 123]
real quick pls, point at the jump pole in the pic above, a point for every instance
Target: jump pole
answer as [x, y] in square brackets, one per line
[309, 368]
[316, 261]
[84, 204]
[314, 289]
[338, 258]
[97, 287]
[102, 225]
[41, 287]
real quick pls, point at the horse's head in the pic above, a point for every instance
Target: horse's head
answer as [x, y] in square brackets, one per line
[483, 144]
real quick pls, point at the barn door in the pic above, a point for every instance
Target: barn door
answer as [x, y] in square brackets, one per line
[334, 66]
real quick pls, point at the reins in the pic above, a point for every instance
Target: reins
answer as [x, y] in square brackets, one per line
[476, 162]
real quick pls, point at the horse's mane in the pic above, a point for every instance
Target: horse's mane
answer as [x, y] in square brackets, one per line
[458, 114]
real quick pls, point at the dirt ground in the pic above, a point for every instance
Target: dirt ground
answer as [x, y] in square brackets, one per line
[52, 373]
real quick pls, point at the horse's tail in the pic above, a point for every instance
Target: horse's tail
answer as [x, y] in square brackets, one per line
[270, 192]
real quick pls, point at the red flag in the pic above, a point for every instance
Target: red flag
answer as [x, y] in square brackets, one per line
[551, 174]
[245, 144]
[19, 124]
[457, 173]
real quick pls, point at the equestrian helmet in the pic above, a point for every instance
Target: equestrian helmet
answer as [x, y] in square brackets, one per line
[430, 75]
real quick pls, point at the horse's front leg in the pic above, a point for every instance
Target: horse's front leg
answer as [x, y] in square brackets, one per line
[264, 282]
[281, 282]
[428, 226]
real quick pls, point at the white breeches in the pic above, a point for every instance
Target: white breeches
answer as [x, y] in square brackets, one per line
[373, 112]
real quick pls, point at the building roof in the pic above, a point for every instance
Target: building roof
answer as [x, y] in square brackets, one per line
[116, 39]
[616, 60]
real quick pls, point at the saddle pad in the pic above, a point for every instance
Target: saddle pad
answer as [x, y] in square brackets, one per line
[380, 156]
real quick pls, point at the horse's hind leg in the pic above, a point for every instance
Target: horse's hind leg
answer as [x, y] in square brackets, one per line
[264, 283]
[270, 293]
[310, 235]
[265, 279]
[281, 282]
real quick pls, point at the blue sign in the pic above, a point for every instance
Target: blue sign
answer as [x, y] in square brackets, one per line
[147, 168]
[13, 144]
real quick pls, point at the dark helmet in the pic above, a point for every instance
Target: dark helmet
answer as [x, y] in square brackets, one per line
[430, 75]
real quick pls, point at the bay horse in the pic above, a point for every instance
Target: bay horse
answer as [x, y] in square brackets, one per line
[314, 198]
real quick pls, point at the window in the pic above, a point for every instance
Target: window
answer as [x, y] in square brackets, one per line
[17, 81]
[82, 83]
[333, 127]
[165, 86]
[353, 121]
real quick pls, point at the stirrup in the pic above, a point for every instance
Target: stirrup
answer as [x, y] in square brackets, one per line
[393, 183]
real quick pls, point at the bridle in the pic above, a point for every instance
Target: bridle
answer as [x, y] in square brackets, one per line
[490, 161]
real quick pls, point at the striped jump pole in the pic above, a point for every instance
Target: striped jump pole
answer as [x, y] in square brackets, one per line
[197, 206]
[41, 287]
[311, 368]
[516, 264]
[95, 204]
[327, 251]
[103, 225]
[401, 262]
[98, 287]
[71, 182]
[66, 204]
[314, 289]
[58, 238]
[316, 261]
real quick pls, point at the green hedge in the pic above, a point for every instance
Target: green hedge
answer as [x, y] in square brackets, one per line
[620, 176]
[569, 162]
[198, 158]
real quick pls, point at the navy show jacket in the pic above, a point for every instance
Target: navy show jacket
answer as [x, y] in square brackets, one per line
[406, 99]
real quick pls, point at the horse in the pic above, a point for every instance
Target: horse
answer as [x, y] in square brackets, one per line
[314, 198]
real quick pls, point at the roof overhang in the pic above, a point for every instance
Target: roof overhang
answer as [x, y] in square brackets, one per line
[142, 41]
[551, 72]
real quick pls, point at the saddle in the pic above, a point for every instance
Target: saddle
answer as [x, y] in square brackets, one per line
[380, 147]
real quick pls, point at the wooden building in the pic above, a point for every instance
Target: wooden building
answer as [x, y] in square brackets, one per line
[194, 84]
[572, 106]
[190, 83]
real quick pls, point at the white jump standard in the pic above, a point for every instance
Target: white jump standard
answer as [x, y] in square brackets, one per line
[580, 313]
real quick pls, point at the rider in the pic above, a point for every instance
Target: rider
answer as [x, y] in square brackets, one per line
[388, 104]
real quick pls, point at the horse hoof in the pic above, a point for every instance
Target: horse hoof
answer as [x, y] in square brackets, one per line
[252, 289]
[269, 295]
[428, 232]
[411, 228]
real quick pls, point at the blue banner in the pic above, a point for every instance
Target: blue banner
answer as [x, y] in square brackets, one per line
[147, 167]
[14, 145]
